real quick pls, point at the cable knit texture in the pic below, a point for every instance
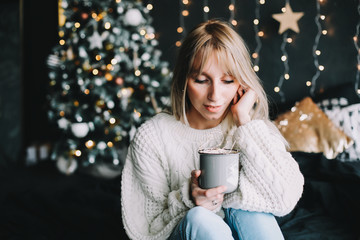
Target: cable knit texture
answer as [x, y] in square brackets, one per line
[155, 179]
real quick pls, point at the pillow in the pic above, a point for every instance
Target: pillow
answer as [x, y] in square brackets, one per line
[333, 103]
[308, 129]
[348, 120]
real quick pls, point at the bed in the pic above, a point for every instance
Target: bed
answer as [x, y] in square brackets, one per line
[39, 202]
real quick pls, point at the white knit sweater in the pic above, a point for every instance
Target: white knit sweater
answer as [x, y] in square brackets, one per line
[164, 151]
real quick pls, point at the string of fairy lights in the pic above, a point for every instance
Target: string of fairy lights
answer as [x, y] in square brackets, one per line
[184, 12]
[232, 13]
[206, 10]
[284, 59]
[286, 15]
[256, 54]
[356, 44]
[316, 52]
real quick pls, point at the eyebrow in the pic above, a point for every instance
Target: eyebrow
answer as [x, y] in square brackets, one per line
[208, 76]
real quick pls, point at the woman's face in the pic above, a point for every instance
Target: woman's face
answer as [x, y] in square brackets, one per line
[210, 93]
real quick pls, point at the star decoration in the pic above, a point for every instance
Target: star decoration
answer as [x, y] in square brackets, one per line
[96, 40]
[288, 19]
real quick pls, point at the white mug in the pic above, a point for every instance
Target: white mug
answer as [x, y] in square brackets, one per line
[219, 167]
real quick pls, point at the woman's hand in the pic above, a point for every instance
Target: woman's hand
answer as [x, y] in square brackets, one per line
[242, 104]
[207, 198]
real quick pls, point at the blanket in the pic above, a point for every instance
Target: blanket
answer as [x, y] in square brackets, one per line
[38, 202]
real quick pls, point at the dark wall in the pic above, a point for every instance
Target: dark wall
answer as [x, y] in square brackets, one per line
[28, 31]
[10, 83]
[40, 35]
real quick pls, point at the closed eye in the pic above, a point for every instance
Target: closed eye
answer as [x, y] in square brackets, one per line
[200, 81]
[228, 81]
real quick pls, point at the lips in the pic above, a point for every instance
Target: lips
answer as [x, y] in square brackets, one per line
[212, 108]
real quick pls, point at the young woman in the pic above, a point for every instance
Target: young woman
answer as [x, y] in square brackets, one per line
[216, 98]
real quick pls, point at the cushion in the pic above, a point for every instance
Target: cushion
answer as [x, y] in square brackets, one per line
[341, 105]
[344, 94]
[348, 120]
[308, 129]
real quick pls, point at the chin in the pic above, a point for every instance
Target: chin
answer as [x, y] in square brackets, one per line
[214, 117]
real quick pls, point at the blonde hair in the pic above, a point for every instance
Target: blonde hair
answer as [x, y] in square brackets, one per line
[215, 36]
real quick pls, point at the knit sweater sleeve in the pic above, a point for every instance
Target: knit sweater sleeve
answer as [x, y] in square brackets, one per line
[269, 179]
[150, 209]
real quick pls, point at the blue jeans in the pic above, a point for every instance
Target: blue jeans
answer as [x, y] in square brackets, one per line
[202, 224]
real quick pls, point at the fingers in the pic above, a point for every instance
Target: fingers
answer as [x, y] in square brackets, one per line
[235, 99]
[216, 202]
[214, 191]
[241, 91]
[195, 174]
[203, 197]
[209, 198]
[195, 178]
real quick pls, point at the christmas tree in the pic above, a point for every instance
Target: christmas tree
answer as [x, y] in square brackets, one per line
[106, 78]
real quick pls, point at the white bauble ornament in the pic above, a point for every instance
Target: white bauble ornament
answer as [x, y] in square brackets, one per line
[101, 145]
[63, 123]
[80, 130]
[66, 166]
[133, 17]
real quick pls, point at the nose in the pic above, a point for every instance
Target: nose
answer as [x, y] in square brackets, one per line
[213, 92]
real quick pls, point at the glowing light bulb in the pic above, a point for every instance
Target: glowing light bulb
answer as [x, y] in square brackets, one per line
[77, 153]
[112, 120]
[149, 7]
[179, 29]
[90, 144]
[107, 25]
